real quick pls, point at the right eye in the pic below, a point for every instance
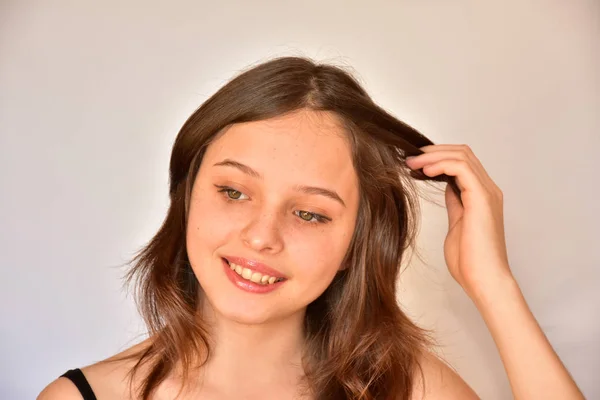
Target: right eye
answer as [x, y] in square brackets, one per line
[230, 193]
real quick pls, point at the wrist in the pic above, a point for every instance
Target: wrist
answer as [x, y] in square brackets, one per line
[495, 290]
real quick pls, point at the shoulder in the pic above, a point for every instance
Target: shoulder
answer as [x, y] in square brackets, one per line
[61, 388]
[436, 380]
[108, 378]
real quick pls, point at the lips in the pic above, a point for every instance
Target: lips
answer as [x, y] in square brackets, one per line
[251, 275]
[250, 280]
[255, 266]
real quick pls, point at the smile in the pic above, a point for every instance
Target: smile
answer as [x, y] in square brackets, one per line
[253, 276]
[247, 278]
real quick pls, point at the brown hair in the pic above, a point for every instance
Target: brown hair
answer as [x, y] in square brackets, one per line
[359, 343]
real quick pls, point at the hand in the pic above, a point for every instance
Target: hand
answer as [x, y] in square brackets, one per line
[475, 247]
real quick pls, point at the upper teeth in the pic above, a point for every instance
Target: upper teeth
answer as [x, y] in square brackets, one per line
[253, 276]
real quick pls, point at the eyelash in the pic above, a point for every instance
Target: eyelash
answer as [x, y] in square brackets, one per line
[319, 219]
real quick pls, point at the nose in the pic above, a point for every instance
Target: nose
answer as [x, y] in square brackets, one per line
[262, 233]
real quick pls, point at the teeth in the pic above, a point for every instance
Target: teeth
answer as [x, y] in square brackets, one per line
[256, 277]
[246, 273]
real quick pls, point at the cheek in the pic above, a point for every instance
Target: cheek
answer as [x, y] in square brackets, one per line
[209, 225]
[318, 255]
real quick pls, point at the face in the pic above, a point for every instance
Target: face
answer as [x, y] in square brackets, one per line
[279, 198]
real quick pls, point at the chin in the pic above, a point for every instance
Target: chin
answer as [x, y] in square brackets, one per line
[247, 313]
[234, 304]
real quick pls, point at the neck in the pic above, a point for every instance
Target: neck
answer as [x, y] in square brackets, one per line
[256, 354]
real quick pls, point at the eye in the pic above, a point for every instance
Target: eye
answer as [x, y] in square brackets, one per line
[234, 194]
[230, 193]
[311, 217]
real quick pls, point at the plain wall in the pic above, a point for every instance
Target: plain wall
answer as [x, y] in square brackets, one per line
[92, 95]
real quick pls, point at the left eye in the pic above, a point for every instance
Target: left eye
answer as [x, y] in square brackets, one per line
[308, 216]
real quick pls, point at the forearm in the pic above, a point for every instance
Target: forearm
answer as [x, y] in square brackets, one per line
[533, 368]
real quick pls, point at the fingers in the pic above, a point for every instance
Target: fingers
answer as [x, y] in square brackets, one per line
[466, 179]
[434, 156]
[454, 160]
[462, 150]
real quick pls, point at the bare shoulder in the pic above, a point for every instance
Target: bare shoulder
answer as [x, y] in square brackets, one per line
[108, 378]
[61, 388]
[439, 381]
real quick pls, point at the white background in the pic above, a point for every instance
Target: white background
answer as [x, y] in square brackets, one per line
[92, 95]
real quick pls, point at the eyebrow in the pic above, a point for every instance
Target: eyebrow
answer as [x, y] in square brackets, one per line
[242, 167]
[332, 194]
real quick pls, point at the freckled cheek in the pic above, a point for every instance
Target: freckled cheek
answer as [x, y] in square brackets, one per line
[211, 223]
[316, 257]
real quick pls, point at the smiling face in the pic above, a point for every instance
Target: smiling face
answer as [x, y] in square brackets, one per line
[283, 193]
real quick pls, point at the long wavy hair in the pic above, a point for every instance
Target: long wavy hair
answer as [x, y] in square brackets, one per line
[359, 343]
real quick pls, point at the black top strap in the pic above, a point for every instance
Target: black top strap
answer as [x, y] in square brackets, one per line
[77, 377]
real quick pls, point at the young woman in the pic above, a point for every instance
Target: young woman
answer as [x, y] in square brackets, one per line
[273, 276]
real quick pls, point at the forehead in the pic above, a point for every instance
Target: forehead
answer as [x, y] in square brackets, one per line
[306, 147]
